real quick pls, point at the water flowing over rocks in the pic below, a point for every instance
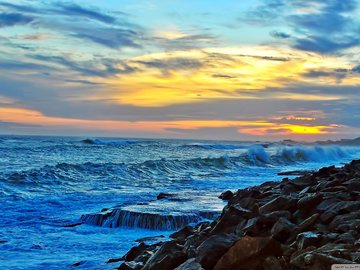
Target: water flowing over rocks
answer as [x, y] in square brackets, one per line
[148, 216]
[310, 222]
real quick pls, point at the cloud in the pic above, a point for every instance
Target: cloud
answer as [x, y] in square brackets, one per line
[319, 26]
[12, 19]
[87, 23]
[172, 64]
[98, 68]
[71, 9]
[280, 35]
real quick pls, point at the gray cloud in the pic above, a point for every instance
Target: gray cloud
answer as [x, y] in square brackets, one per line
[11, 19]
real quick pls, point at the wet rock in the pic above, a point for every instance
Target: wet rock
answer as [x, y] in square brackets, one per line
[149, 238]
[279, 203]
[163, 195]
[130, 266]
[249, 253]
[307, 239]
[190, 264]
[210, 251]
[309, 201]
[231, 216]
[169, 256]
[226, 195]
[134, 252]
[274, 263]
[308, 223]
[282, 229]
[78, 263]
[260, 225]
[183, 233]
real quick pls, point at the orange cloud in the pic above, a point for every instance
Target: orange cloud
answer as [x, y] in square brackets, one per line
[258, 128]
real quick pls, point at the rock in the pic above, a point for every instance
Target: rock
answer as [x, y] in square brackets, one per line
[309, 201]
[273, 263]
[190, 264]
[134, 252]
[282, 229]
[346, 238]
[230, 218]
[307, 239]
[78, 263]
[324, 262]
[308, 223]
[183, 233]
[210, 251]
[114, 260]
[249, 253]
[163, 195]
[226, 195]
[260, 225]
[149, 238]
[130, 266]
[169, 256]
[353, 184]
[279, 203]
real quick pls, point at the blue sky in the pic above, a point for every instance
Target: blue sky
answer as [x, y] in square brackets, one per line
[181, 69]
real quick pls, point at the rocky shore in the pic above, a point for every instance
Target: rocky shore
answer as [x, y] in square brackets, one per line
[310, 222]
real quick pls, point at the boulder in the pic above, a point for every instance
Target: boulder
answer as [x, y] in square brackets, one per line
[130, 266]
[210, 251]
[282, 229]
[190, 264]
[309, 201]
[279, 203]
[183, 233]
[226, 195]
[134, 252]
[169, 256]
[249, 253]
[307, 239]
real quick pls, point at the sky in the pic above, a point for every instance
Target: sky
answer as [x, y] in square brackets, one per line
[205, 69]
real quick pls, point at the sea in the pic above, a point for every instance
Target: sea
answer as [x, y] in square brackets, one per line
[58, 194]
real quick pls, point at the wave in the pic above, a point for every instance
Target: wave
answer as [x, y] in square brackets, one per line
[215, 146]
[106, 142]
[177, 169]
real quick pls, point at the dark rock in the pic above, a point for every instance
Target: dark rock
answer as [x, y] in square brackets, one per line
[230, 218]
[353, 184]
[78, 263]
[274, 263]
[190, 264]
[310, 201]
[308, 223]
[226, 195]
[114, 260]
[130, 266]
[249, 253]
[259, 226]
[210, 251]
[282, 229]
[307, 239]
[169, 256]
[149, 238]
[183, 233]
[134, 252]
[163, 195]
[279, 203]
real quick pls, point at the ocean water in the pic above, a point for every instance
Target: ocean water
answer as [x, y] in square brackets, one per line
[49, 183]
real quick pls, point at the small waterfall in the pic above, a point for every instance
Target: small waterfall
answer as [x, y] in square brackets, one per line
[154, 221]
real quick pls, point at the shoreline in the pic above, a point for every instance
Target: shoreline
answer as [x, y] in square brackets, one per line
[310, 222]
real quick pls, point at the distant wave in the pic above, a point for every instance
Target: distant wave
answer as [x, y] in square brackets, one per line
[106, 142]
[215, 146]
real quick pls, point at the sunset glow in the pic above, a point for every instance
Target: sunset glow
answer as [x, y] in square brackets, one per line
[146, 70]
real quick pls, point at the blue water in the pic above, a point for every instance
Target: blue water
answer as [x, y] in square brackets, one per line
[49, 182]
